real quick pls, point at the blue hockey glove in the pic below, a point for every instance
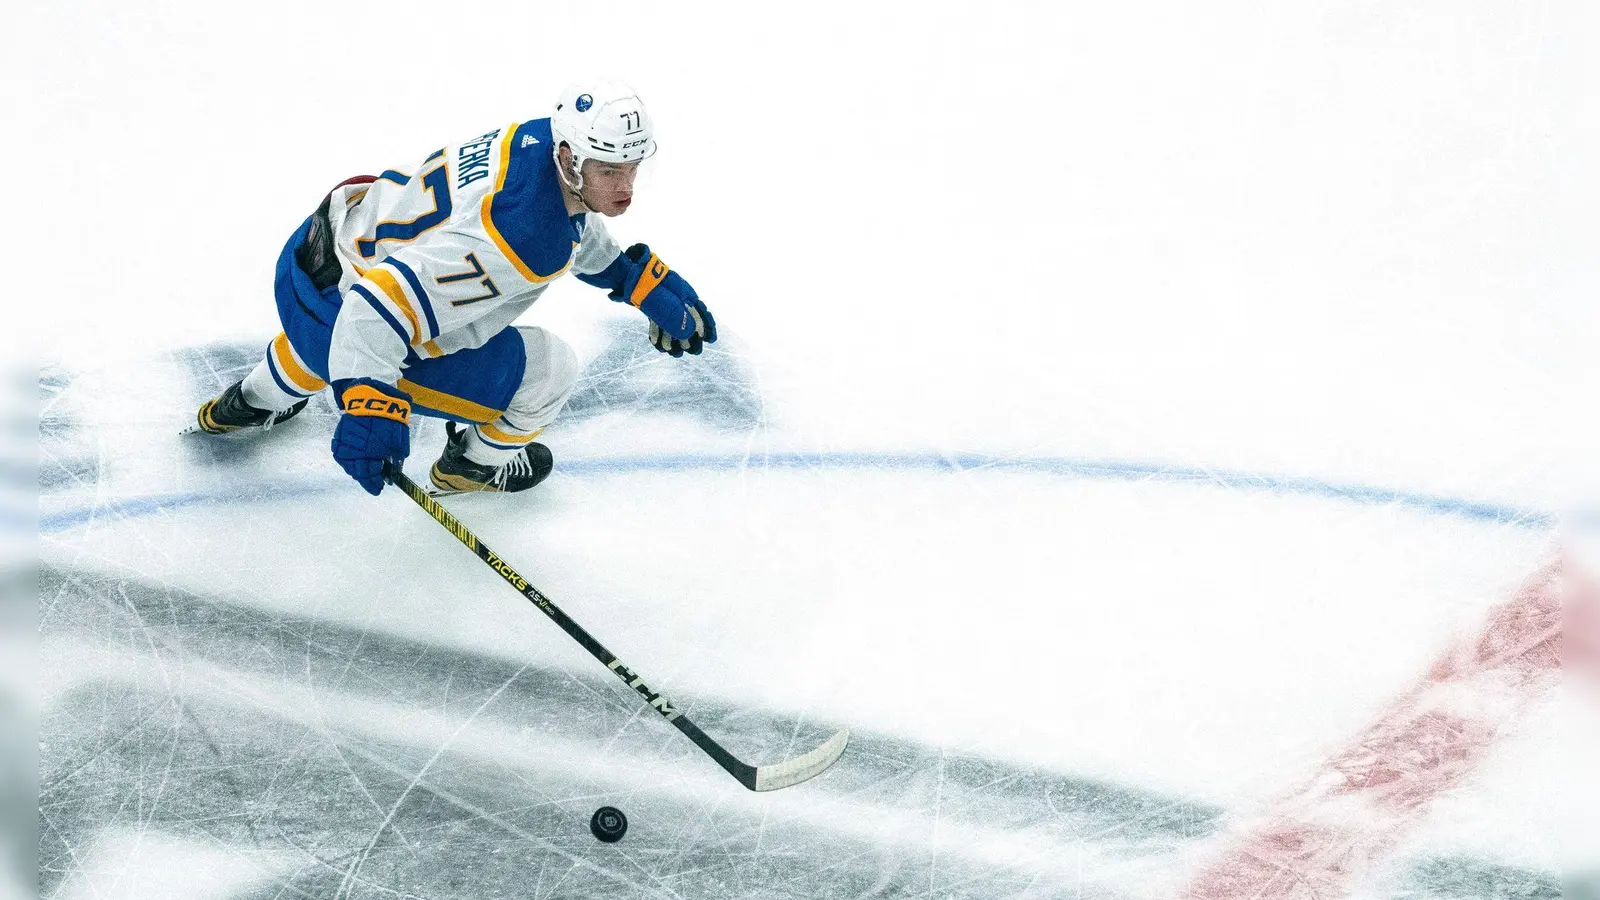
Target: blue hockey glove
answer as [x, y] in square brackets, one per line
[374, 428]
[679, 322]
[705, 332]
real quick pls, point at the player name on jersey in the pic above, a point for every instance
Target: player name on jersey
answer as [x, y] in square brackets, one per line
[472, 159]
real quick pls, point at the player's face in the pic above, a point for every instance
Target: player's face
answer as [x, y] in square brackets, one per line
[608, 187]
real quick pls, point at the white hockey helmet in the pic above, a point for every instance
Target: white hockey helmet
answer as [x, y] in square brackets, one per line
[602, 120]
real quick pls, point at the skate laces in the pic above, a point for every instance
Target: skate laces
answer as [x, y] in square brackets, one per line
[274, 416]
[518, 465]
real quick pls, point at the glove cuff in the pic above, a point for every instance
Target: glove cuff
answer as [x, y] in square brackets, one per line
[367, 397]
[652, 271]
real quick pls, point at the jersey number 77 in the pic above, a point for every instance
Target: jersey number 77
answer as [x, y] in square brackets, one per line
[437, 183]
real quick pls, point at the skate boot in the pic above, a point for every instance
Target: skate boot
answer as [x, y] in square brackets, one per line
[454, 473]
[229, 412]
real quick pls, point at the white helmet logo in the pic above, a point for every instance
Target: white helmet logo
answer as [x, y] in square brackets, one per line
[602, 120]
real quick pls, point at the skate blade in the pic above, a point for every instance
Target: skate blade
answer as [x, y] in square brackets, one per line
[196, 429]
[432, 491]
[435, 491]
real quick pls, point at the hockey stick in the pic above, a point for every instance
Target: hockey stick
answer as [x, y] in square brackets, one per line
[756, 778]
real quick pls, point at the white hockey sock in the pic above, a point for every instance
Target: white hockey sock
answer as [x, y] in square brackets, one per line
[485, 455]
[261, 390]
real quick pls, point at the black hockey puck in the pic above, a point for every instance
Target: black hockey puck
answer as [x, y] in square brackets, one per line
[609, 824]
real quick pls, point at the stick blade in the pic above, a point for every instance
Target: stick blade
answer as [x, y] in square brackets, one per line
[803, 767]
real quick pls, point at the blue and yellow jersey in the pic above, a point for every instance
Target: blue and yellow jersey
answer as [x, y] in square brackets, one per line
[442, 256]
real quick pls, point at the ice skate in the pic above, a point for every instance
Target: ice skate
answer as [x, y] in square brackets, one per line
[228, 412]
[454, 473]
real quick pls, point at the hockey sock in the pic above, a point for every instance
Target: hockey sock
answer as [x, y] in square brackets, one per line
[261, 390]
[484, 454]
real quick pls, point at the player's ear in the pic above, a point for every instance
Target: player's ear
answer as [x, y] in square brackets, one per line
[568, 169]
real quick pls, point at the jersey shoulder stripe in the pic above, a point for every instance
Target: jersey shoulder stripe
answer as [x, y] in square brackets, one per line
[385, 282]
[525, 215]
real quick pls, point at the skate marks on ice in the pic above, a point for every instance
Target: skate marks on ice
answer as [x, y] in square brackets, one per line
[89, 422]
[84, 451]
[1325, 837]
[352, 763]
[717, 388]
[61, 464]
[1464, 877]
[345, 762]
[116, 428]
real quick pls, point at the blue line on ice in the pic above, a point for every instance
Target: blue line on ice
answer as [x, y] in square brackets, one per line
[1066, 467]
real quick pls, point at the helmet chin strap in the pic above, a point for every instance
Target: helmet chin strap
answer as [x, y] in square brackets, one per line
[576, 187]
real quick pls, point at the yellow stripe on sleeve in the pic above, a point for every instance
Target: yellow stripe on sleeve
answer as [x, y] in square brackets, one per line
[383, 279]
[522, 268]
[291, 368]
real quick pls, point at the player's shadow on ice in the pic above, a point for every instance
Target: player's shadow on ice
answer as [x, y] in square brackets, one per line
[629, 376]
[211, 368]
[717, 388]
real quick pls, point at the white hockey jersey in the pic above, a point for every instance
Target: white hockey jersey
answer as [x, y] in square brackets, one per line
[442, 259]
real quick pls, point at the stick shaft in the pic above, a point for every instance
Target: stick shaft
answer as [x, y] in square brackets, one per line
[745, 773]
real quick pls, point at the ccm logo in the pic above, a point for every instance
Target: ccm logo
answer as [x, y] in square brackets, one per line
[635, 143]
[377, 406]
[654, 698]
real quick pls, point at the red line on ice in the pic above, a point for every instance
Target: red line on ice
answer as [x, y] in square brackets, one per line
[1317, 840]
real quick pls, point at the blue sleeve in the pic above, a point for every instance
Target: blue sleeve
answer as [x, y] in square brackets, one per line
[611, 277]
[525, 215]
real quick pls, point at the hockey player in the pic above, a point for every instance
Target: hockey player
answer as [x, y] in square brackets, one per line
[400, 291]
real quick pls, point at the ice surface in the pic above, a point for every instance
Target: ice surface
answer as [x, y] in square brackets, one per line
[1103, 486]
[1042, 705]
